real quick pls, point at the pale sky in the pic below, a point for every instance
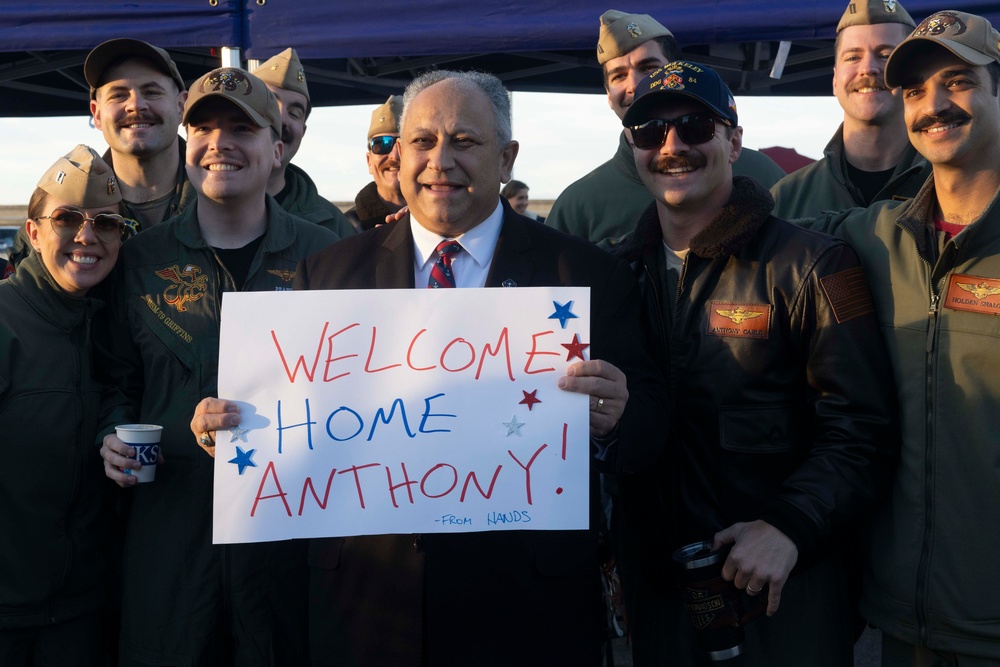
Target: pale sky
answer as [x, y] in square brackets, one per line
[562, 137]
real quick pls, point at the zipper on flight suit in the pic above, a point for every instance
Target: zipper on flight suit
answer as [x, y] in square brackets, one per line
[936, 280]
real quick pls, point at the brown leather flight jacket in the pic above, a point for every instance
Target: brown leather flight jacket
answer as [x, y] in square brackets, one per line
[782, 401]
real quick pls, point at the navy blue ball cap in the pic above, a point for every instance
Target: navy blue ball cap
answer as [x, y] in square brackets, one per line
[682, 78]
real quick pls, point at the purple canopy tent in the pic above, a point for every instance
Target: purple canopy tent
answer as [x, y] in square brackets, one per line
[355, 53]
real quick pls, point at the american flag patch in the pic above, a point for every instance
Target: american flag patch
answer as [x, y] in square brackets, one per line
[848, 294]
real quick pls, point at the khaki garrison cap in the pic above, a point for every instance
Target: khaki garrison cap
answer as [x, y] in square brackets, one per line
[284, 71]
[81, 178]
[385, 118]
[242, 89]
[972, 38]
[871, 12]
[621, 32]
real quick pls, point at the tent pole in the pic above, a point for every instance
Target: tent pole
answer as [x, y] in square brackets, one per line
[230, 57]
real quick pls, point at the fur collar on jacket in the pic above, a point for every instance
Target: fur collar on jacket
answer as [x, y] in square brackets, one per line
[369, 205]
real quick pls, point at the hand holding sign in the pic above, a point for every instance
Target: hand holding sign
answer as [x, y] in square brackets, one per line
[605, 384]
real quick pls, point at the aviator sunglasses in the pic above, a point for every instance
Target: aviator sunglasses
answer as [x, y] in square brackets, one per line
[693, 129]
[381, 145]
[108, 227]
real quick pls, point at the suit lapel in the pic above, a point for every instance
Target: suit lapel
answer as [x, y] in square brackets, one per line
[395, 265]
[512, 264]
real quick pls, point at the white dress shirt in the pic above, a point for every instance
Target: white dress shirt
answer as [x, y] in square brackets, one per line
[472, 264]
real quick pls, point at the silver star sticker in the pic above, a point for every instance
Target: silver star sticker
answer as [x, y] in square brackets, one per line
[513, 426]
[239, 434]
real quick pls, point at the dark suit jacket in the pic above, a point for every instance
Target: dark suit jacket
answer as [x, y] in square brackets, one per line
[496, 598]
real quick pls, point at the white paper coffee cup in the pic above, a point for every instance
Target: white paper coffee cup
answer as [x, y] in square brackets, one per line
[145, 439]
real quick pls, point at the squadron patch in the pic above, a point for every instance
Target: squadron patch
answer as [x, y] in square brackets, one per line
[186, 286]
[973, 294]
[848, 294]
[739, 320]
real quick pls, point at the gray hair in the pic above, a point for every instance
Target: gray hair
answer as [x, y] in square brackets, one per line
[490, 85]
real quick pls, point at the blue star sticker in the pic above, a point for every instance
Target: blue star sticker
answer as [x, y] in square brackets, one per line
[243, 459]
[239, 434]
[563, 313]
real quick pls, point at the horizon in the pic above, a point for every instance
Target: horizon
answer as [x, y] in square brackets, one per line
[562, 136]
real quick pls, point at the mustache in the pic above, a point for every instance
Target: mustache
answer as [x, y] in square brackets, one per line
[390, 164]
[943, 118]
[869, 82]
[666, 163]
[132, 118]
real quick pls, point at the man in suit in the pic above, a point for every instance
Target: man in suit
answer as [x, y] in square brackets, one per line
[492, 598]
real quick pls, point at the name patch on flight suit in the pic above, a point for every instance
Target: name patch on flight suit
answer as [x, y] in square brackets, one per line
[848, 294]
[739, 320]
[974, 294]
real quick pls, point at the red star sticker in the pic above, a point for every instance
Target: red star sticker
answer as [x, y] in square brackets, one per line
[529, 399]
[576, 348]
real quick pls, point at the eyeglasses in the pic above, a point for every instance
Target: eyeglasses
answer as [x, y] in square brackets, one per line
[693, 129]
[381, 145]
[108, 227]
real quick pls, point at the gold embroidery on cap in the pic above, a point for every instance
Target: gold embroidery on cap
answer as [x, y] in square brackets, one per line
[227, 78]
[939, 23]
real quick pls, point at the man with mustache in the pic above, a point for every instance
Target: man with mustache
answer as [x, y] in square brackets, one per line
[136, 99]
[870, 157]
[383, 195]
[933, 264]
[290, 185]
[782, 428]
[606, 202]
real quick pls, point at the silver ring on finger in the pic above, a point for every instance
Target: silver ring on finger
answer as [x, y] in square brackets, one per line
[751, 589]
[600, 404]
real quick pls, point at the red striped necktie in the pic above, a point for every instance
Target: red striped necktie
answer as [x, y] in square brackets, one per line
[441, 273]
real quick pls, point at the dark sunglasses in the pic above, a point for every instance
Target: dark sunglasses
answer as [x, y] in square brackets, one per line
[381, 145]
[108, 227]
[693, 129]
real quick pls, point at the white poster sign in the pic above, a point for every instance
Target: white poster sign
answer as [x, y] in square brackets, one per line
[401, 411]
